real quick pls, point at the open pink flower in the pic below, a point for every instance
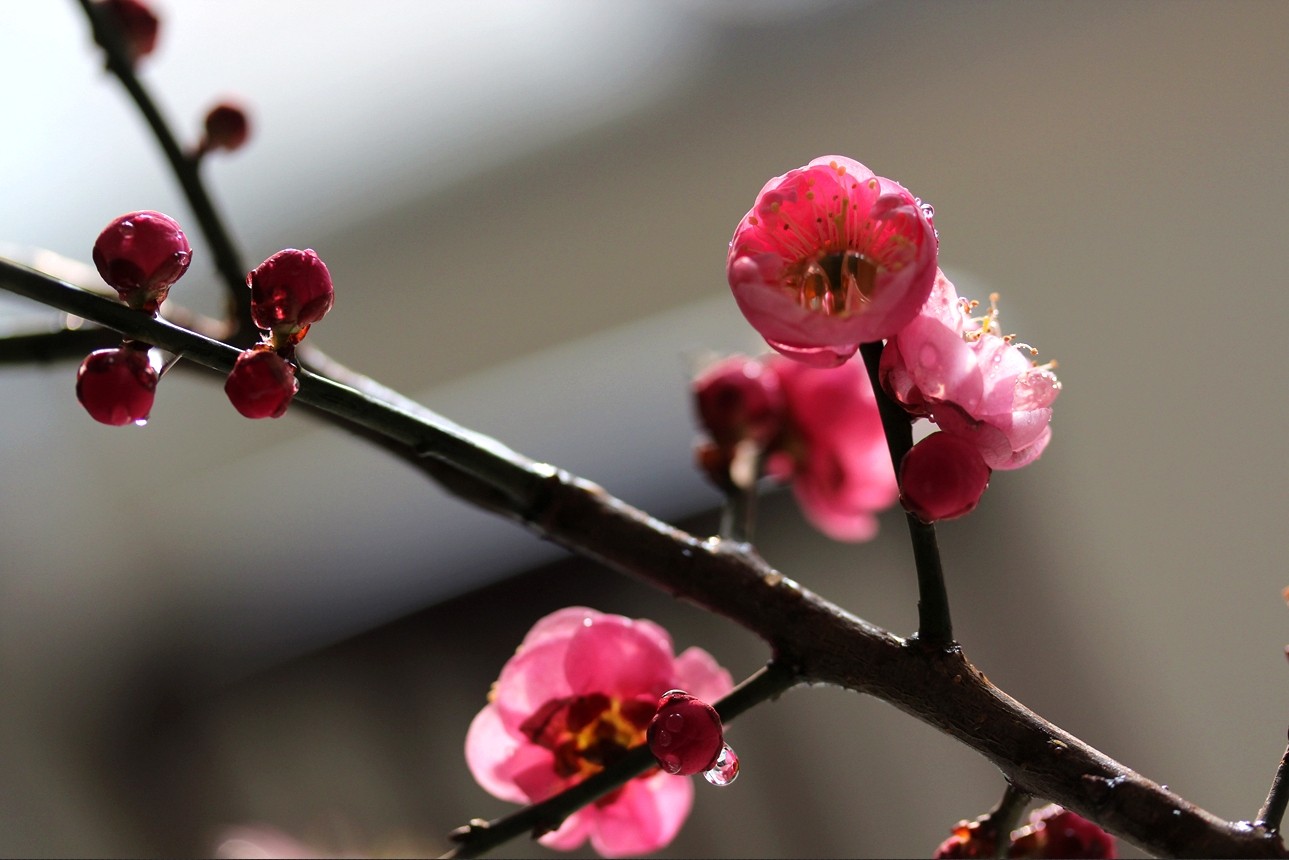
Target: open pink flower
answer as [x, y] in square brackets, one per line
[840, 465]
[578, 694]
[973, 382]
[831, 256]
[817, 427]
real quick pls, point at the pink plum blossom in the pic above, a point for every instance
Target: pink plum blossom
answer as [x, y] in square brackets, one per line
[831, 256]
[580, 692]
[972, 381]
[840, 464]
[823, 434]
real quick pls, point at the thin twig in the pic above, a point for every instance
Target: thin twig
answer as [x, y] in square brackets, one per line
[935, 627]
[1004, 817]
[1273, 809]
[821, 642]
[478, 837]
[186, 169]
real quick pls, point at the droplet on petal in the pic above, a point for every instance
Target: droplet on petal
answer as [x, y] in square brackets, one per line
[725, 771]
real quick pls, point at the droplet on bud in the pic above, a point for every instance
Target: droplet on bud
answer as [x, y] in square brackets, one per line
[685, 735]
[725, 770]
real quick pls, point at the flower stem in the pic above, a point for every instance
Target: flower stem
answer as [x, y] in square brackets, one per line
[1273, 809]
[738, 517]
[227, 259]
[1004, 817]
[935, 627]
[479, 836]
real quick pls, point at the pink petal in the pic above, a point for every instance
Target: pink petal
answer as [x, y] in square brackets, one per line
[844, 473]
[646, 816]
[820, 356]
[618, 658]
[530, 679]
[489, 750]
[1029, 454]
[697, 673]
[560, 624]
[944, 305]
[1035, 389]
[532, 770]
[573, 832]
[836, 522]
[942, 365]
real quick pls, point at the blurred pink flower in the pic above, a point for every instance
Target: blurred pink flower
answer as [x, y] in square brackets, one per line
[577, 695]
[834, 449]
[831, 256]
[816, 427]
[259, 842]
[964, 375]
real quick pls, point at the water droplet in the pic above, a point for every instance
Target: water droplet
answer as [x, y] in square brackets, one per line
[662, 738]
[126, 229]
[142, 422]
[725, 770]
[675, 722]
[671, 763]
[928, 210]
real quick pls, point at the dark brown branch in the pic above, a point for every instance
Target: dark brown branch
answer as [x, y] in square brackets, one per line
[817, 640]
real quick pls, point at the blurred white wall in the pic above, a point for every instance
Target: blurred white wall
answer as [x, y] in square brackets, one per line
[525, 205]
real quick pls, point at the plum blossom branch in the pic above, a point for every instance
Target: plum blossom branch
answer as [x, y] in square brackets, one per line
[935, 627]
[816, 640]
[480, 836]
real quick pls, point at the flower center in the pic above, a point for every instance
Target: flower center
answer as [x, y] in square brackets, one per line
[588, 733]
[838, 284]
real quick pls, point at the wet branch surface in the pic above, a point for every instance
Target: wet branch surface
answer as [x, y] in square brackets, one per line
[817, 641]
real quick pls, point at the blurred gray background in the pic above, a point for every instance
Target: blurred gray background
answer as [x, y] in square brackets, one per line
[525, 206]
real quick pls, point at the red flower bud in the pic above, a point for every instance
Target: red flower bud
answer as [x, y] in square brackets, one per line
[140, 255]
[290, 291]
[261, 384]
[226, 128]
[942, 477]
[1054, 833]
[740, 398]
[136, 23]
[117, 386]
[970, 840]
[685, 735]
